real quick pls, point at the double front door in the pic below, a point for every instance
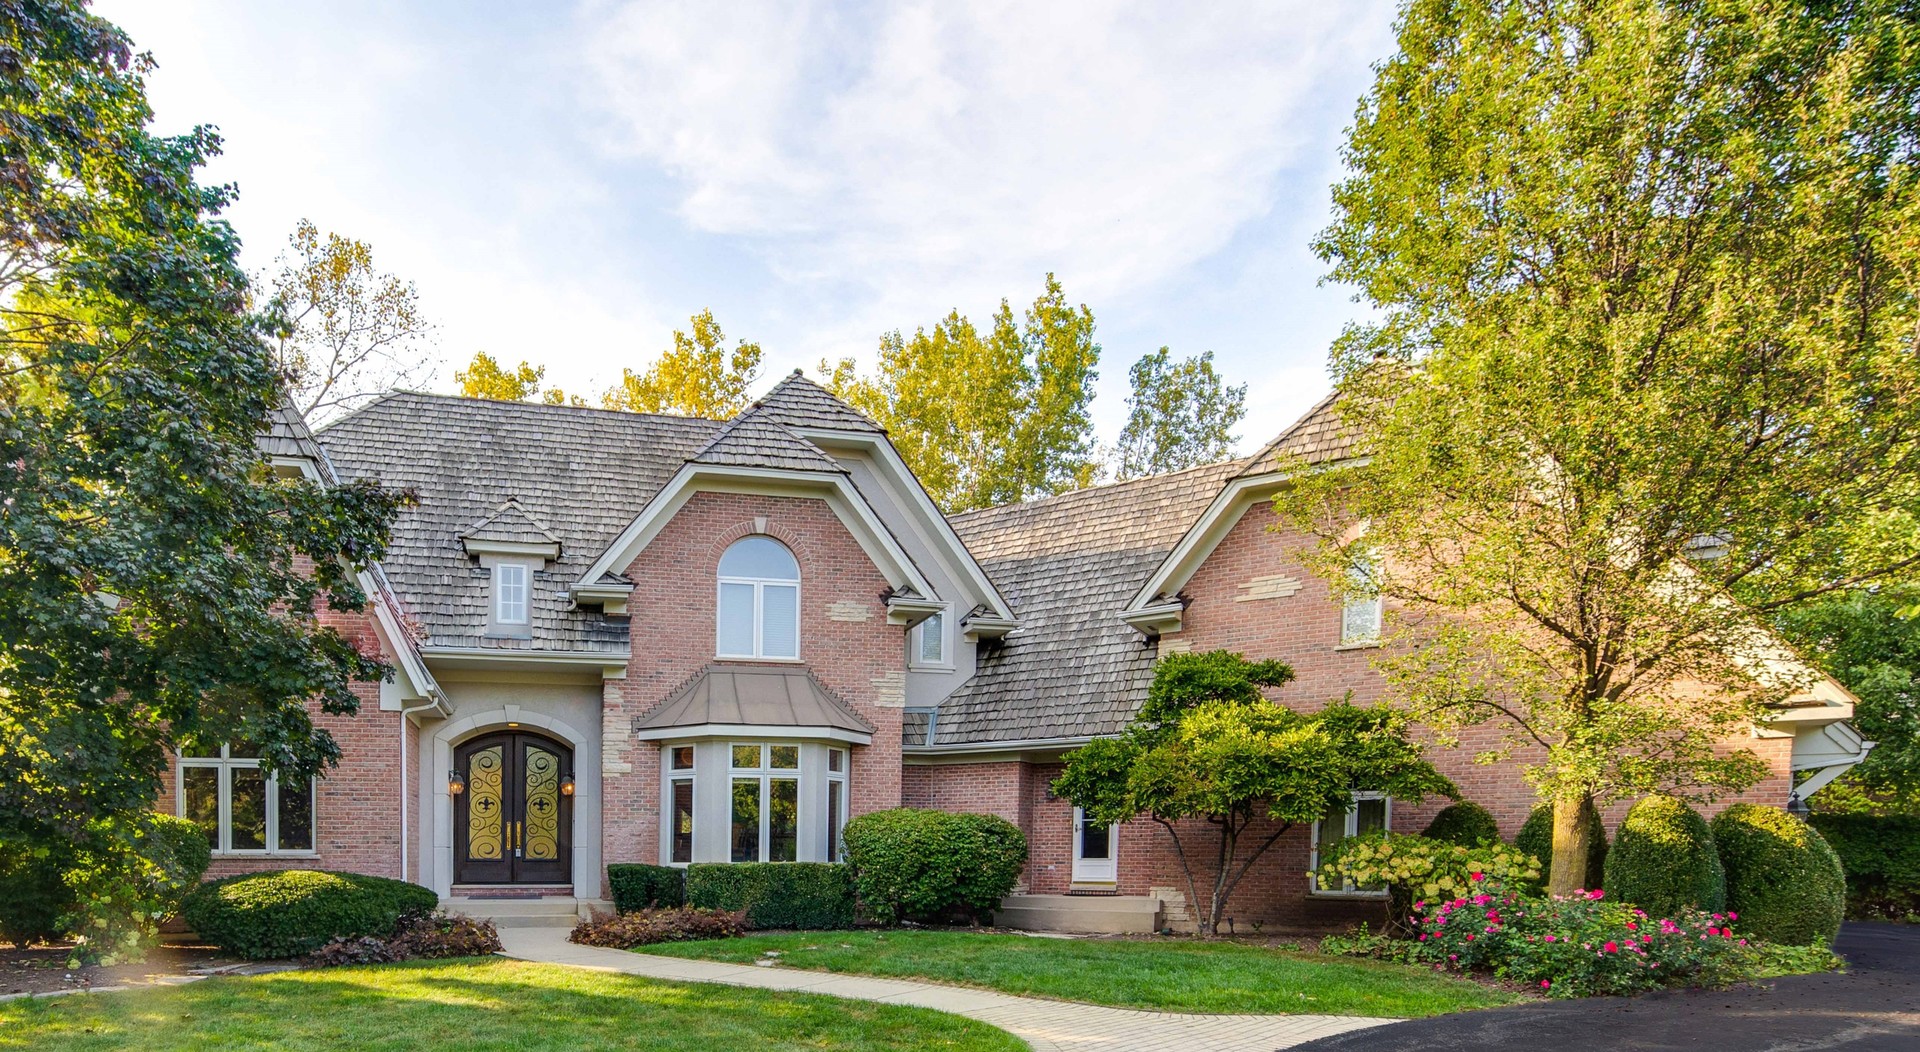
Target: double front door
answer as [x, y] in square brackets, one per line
[513, 823]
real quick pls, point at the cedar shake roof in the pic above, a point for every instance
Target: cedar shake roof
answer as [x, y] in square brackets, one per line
[799, 401]
[1316, 438]
[754, 439]
[581, 474]
[757, 696]
[1068, 564]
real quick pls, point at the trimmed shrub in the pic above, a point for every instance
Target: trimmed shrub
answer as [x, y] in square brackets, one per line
[1881, 854]
[775, 894]
[1783, 880]
[35, 898]
[1536, 839]
[636, 886]
[933, 865]
[1664, 860]
[624, 931]
[1464, 823]
[289, 912]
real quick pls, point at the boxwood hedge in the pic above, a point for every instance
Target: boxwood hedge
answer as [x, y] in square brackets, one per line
[1464, 823]
[289, 912]
[1783, 879]
[1664, 860]
[933, 865]
[775, 894]
[1881, 854]
[636, 886]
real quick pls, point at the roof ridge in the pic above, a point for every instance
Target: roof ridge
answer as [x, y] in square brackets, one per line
[517, 404]
[1102, 488]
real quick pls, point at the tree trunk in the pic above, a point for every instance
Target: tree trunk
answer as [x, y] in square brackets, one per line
[1571, 842]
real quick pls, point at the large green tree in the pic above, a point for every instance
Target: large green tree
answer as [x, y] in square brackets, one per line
[158, 583]
[1211, 760]
[1180, 414]
[697, 376]
[1869, 640]
[1643, 367]
[987, 418]
[485, 377]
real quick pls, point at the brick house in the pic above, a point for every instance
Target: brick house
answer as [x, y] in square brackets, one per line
[623, 637]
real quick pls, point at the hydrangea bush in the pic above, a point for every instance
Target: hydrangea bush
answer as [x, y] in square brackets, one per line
[1417, 868]
[1576, 945]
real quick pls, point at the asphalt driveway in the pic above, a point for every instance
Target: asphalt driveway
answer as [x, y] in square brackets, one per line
[1873, 1007]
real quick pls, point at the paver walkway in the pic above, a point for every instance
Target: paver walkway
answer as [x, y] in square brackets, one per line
[1049, 1026]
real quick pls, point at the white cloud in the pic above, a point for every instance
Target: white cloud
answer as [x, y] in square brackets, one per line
[942, 154]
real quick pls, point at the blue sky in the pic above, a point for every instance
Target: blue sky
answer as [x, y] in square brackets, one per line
[567, 183]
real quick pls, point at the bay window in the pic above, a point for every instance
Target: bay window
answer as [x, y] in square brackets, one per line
[777, 801]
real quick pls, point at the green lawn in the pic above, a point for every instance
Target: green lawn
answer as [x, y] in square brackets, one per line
[1161, 974]
[475, 1006]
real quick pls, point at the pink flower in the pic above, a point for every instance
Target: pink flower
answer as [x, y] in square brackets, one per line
[1546, 984]
[1743, 942]
[1612, 947]
[1553, 938]
[1733, 916]
[1632, 926]
[1477, 876]
[1596, 895]
[1713, 931]
[1469, 938]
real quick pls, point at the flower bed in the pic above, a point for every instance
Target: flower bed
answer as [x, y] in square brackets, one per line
[1576, 945]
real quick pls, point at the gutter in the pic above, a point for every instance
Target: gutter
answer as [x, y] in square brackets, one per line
[1017, 745]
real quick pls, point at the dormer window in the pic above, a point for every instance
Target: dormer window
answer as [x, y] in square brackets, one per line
[510, 593]
[759, 600]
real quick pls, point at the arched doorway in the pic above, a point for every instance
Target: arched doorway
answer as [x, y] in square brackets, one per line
[513, 824]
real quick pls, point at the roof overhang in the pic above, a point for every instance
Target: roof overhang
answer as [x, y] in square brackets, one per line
[607, 662]
[985, 626]
[1152, 611]
[548, 550]
[910, 610]
[609, 596]
[950, 549]
[756, 732]
[988, 752]
[836, 489]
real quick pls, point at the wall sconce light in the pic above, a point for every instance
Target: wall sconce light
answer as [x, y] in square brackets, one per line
[456, 784]
[566, 785]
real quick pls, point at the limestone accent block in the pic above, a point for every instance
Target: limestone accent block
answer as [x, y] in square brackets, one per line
[849, 611]
[1175, 646]
[890, 689]
[1173, 904]
[1275, 586]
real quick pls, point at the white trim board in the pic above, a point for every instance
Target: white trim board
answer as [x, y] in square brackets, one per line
[840, 495]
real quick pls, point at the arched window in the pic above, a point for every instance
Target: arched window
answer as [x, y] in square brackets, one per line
[759, 600]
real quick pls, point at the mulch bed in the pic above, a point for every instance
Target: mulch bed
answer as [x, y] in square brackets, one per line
[43, 969]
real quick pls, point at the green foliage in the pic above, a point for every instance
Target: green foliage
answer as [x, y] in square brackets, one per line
[627, 931]
[985, 419]
[1180, 415]
[1464, 823]
[814, 895]
[1664, 860]
[289, 912]
[1536, 839]
[1783, 880]
[159, 584]
[1869, 640]
[910, 864]
[697, 376]
[1881, 856]
[36, 893]
[1579, 945]
[636, 886]
[1208, 745]
[181, 851]
[1416, 870]
[1641, 274]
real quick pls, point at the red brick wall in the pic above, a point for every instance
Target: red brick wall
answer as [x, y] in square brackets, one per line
[673, 638]
[356, 816]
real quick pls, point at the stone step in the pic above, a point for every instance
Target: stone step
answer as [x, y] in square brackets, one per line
[551, 912]
[1091, 914]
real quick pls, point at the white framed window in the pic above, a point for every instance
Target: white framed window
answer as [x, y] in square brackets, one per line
[927, 644]
[759, 601]
[679, 804]
[765, 802]
[1360, 615]
[510, 593]
[243, 811]
[837, 763]
[1369, 812]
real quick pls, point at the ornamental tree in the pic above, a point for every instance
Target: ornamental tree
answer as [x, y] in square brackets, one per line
[1210, 759]
[1642, 370]
[158, 583]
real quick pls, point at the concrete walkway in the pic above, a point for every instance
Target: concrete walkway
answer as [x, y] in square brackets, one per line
[1048, 1026]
